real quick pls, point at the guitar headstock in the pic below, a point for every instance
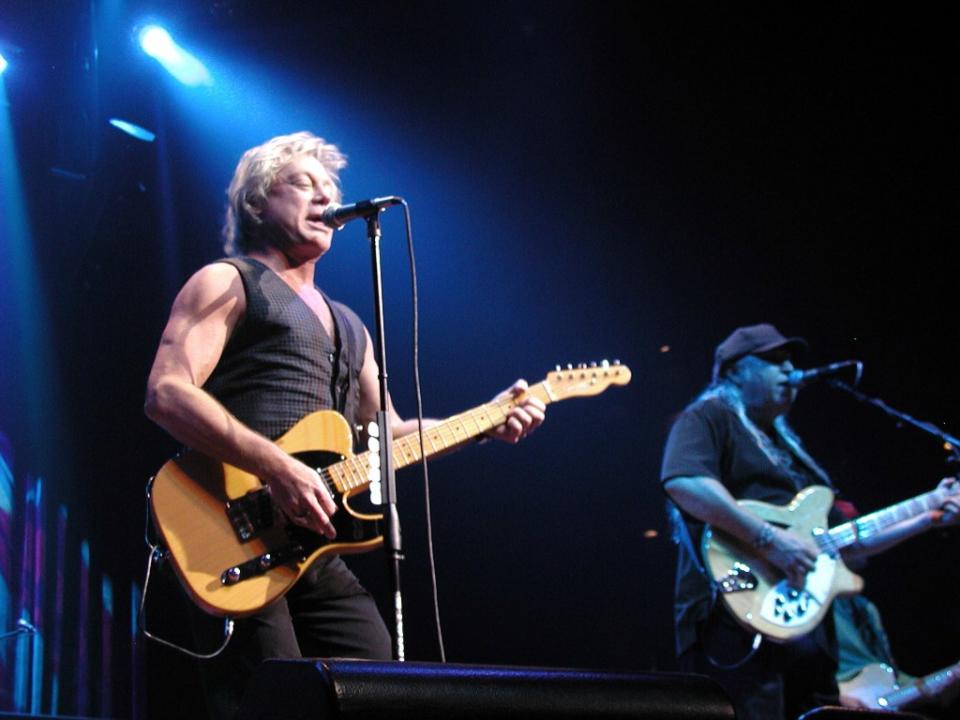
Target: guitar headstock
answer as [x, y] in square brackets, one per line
[950, 486]
[584, 380]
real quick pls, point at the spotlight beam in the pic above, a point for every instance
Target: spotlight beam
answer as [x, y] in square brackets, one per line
[158, 44]
[133, 130]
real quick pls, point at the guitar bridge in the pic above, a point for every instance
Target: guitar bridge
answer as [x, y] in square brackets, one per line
[739, 578]
[786, 605]
[251, 514]
[262, 563]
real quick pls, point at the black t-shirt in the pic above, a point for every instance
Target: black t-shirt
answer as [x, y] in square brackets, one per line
[709, 440]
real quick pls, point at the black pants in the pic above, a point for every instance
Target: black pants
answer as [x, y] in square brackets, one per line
[780, 681]
[326, 614]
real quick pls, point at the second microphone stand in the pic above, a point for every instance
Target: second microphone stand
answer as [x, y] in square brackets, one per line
[950, 442]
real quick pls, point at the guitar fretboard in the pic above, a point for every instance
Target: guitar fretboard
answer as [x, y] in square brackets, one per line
[354, 472]
[848, 533]
[928, 686]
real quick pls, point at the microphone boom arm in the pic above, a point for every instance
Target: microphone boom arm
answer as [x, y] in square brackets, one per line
[952, 443]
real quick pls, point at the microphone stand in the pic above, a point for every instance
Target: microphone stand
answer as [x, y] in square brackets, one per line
[387, 479]
[952, 443]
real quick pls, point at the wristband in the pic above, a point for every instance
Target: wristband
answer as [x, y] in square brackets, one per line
[764, 537]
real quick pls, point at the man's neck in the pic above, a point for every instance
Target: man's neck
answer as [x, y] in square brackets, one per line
[764, 419]
[296, 274]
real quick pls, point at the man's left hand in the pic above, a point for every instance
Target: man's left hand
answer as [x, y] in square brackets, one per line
[949, 512]
[523, 419]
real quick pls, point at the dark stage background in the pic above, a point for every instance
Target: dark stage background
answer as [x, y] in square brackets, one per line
[588, 181]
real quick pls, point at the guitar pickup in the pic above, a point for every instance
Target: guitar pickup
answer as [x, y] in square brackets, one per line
[261, 564]
[250, 514]
[739, 578]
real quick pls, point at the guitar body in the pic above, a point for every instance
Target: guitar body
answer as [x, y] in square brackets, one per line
[189, 504]
[756, 592]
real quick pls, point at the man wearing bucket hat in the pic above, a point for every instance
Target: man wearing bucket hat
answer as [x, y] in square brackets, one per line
[733, 442]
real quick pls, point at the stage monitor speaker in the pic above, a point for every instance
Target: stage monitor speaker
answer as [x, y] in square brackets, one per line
[19, 716]
[313, 689]
[829, 712]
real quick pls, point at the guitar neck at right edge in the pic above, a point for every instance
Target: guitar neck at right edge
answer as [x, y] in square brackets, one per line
[926, 687]
[850, 532]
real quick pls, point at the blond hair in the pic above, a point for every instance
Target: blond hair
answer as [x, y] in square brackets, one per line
[256, 172]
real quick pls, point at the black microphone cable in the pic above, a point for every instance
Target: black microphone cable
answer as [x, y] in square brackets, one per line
[431, 560]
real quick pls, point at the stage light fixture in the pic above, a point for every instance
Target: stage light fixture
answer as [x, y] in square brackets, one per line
[140, 133]
[155, 41]
[158, 44]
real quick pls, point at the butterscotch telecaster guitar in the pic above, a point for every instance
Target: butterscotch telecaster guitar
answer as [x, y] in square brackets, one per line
[756, 592]
[875, 687]
[235, 553]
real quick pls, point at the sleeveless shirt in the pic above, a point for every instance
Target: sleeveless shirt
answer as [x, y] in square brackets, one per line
[280, 364]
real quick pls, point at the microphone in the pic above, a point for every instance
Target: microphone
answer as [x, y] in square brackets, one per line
[800, 378]
[336, 216]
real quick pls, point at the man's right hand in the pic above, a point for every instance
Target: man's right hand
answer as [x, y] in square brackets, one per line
[299, 492]
[794, 555]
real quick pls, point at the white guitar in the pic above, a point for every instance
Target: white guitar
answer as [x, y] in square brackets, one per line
[756, 592]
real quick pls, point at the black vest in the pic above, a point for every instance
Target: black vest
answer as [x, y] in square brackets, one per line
[280, 365]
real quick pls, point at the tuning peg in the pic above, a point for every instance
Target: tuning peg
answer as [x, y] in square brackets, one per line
[593, 364]
[605, 364]
[559, 368]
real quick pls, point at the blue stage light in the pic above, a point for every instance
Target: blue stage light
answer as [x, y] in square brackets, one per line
[3, 64]
[157, 43]
[140, 133]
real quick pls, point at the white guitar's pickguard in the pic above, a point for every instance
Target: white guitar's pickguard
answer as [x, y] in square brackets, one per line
[785, 606]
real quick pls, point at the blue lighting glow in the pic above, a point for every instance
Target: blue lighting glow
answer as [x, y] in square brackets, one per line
[3, 64]
[140, 133]
[23, 312]
[157, 43]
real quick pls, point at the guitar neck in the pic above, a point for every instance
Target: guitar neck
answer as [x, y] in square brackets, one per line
[353, 472]
[848, 533]
[459, 429]
[928, 686]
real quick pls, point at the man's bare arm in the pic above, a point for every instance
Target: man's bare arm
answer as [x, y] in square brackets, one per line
[203, 317]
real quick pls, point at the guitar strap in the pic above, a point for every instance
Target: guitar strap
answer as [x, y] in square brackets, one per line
[341, 326]
[350, 343]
